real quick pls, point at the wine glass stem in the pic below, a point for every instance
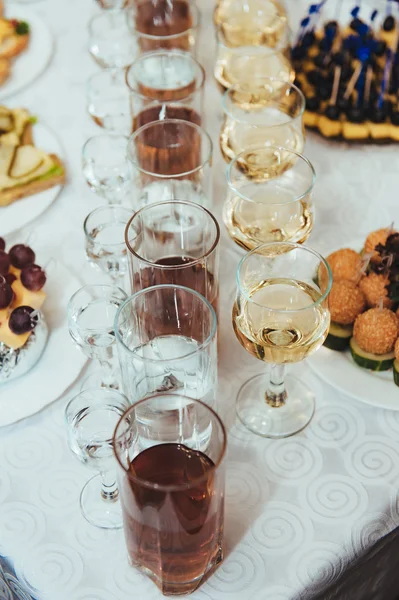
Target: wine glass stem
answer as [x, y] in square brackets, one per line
[109, 489]
[108, 379]
[276, 395]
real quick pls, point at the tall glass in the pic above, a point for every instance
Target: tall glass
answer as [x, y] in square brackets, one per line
[174, 243]
[165, 84]
[172, 490]
[170, 159]
[111, 43]
[266, 204]
[108, 101]
[166, 337]
[281, 317]
[262, 111]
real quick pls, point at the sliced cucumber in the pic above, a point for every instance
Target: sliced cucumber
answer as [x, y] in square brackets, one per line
[396, 372]
[374, 362]
[338, 337]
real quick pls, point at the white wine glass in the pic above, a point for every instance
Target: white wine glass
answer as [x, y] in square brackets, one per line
[280, 316]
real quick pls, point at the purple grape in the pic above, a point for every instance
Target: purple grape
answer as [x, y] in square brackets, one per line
[33, 278]
[4, 263]
[6, 295]
[21, 321]
[2, 244]
[10, 278]
[21, 256]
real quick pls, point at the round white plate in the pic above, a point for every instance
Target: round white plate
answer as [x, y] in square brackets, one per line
[339, 370]
[60, 363]
[20, 213]
[31, 63]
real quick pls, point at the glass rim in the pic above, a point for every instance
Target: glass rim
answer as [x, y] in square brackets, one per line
[93, 390]
[85, 288]
[104, 208]
[164, 487]
[293, 246]
[162, 51]
[169, 286]
[147, 36]
[281, 45]
[103, 15]
[195, 261]
[300, 156]
[292, 87]
[103, 73]
[199, 130]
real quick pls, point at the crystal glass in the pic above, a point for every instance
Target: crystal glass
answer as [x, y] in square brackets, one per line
[269, 197]
[174, 243]
[166, 336]
[111, 42]
[167, 84]
[172, 490]
[164, 24]
[91, 418]
[104, 231]
[106, 168]
[171, 159]
[91, 314]
[262, 111]
[280, 316]
[247, 63]
[108, 101]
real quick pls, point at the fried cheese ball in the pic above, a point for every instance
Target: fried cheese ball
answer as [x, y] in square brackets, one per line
[375, 238]
[396, 349]
[374, 287]
[346, 302]
[376, 330]
[345, 264]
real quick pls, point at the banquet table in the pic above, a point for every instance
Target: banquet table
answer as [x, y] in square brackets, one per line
[297, 510]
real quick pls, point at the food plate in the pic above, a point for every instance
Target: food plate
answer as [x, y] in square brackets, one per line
[22, 212]
[339, 370]
[60, 364]
[31, 63]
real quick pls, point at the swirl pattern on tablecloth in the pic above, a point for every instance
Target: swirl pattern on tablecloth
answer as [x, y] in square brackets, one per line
[281, 529]
[59, 490]
[317, 565]
[5, 485]
[274, 592]
[373, 459]
[246, 485]
[21, 525]
[242, 571]
[92, 594]
[292, 460]
[331, 497]
[95, 541]
[369, 530]
[33, 451]
[335, 426]
[388, 420]
[123, 578]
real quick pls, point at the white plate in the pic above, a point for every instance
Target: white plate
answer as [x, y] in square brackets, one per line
[60, 363]
[22, 212]
[33, 61]
[339, 370]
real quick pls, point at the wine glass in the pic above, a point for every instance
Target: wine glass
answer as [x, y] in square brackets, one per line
[91, 313]
[111, 43]
[280, 316]
[104, 231]
[91, 418]
[108, 101]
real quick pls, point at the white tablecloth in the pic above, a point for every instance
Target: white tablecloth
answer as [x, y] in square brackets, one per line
[297, 509]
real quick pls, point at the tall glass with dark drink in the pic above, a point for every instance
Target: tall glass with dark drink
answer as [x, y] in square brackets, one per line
[172, 490]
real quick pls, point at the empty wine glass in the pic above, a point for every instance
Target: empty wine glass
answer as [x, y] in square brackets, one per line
[111, 44]
[108, 101]
[104, 230]
[91, 418]
[106, 167]
[91, 313]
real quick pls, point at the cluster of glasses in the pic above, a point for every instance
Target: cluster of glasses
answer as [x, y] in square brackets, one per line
[152, 405]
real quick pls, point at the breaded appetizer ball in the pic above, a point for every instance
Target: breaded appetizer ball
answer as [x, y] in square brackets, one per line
[374, 287]
[375, 238]
[396, 349]
[346, 302]
[345, 264]
[376, 330]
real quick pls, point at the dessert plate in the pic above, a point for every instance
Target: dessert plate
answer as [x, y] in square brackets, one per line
[339, 370]
[60, 363]
[31, 63]
[20, 213]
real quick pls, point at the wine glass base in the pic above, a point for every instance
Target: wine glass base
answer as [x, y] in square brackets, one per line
[99, 512]
[95, 381]
[267, 421]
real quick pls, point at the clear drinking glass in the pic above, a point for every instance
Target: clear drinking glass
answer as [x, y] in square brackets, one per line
[166, 337]
[104, 231]
[259, 112]
[167, 84]
[174, 243]
[280, 316]
[172, 490]
[171, 159]
[108, 101]
[111, 42]
[106, 167]
[91, 314]
[266, 204]
[164, 24]
[91, 418]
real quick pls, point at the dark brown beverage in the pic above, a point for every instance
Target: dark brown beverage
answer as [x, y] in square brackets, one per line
[166, 94]
[175, 535]
[162, 18]
[154, 113]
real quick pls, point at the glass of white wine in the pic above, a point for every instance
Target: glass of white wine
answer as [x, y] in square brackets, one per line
[265, 204]
[280, 316]
[262, 110]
